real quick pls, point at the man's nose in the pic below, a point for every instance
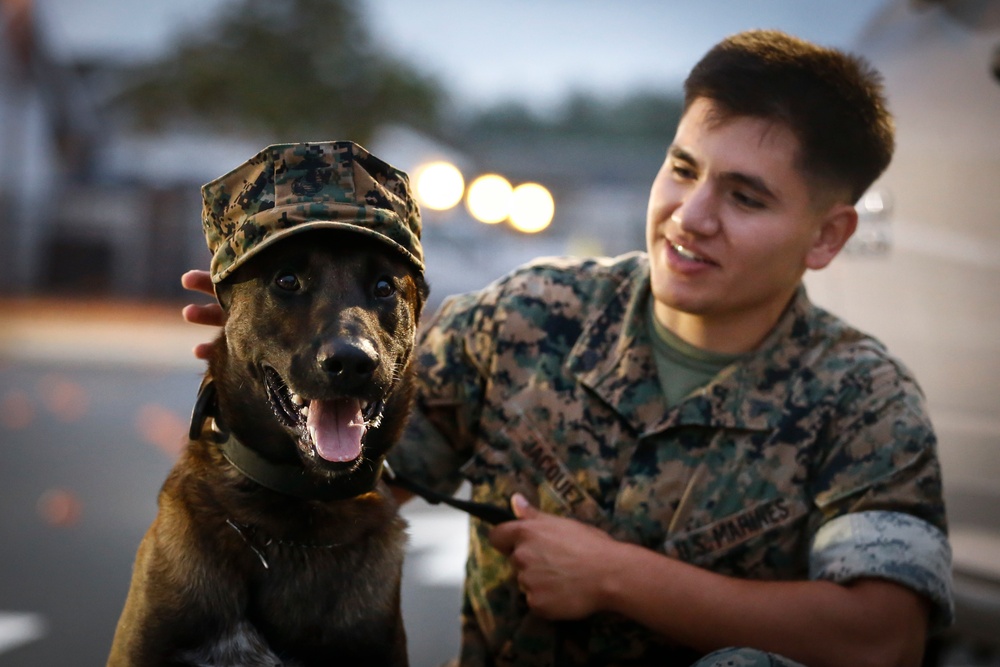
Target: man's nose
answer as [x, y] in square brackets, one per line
[698, 212]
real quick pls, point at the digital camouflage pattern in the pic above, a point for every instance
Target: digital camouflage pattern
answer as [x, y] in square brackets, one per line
[289, 188]
[545, 384]
[744, 657]
[857, 542]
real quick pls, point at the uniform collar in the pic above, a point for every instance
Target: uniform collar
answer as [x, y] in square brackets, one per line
[614, 358]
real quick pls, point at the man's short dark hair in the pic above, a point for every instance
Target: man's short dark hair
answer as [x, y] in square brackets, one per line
[832, 101]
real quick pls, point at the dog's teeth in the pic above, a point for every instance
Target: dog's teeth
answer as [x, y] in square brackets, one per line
[304, 411]
[297, 400]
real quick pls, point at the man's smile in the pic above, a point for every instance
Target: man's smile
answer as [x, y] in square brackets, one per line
[681, 254]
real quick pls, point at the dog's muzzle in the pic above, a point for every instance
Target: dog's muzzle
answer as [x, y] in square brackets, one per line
[334, 428]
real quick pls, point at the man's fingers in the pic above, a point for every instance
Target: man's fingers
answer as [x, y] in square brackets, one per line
[504, 537]
[522, 508]
[198, 281]
[210, 314]
[203, 351]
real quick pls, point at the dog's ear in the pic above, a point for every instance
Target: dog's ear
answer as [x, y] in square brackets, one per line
[423, 292]
[224, 294]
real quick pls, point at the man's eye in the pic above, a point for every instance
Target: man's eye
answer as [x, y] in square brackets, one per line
[683, 172]
[748, 202]
[384, 288]
[288, 282]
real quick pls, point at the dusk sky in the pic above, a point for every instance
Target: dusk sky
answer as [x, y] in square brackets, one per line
[532, 51]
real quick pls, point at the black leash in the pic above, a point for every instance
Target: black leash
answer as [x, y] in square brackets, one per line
[488, 513]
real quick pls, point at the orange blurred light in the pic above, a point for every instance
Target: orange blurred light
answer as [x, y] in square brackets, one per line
[489, 198]
[162, 427]
[16, 410]
[532, 208]
[439, 185]
[64, 398]
[59, 507]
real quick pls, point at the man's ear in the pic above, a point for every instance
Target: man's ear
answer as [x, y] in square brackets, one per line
[835, 230]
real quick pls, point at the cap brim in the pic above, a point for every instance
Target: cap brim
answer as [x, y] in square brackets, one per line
[313, 225]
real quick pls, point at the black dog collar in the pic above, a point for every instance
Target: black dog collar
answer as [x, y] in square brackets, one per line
[292, 481]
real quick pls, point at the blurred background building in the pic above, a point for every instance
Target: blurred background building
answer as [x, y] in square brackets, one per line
[115, 123]
[113, 113]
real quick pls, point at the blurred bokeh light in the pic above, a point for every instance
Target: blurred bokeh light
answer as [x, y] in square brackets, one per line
[17, 411]
[161, 426]
[439, 185]
[63, 397]
[489, 198]
[60, 508]
[531, 208]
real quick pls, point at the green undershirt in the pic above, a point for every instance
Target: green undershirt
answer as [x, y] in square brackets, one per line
[681, 366]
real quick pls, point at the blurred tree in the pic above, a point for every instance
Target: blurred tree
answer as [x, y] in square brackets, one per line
[587, 137]
[639, 117]
[294, 69]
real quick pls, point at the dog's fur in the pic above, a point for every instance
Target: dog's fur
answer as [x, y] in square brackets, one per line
[233, 573]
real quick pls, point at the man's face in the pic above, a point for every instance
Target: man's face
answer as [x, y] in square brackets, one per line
[731, 226]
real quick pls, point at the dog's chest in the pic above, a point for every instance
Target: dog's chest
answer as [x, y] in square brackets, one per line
[296, 605]
[307, 609]
[239, 646]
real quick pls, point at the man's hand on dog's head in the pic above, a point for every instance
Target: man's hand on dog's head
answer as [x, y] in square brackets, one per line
[210, 314]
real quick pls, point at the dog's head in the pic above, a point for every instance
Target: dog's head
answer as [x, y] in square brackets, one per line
[317, 260]
[312, 366]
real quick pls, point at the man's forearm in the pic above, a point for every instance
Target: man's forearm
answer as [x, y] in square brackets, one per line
[817, 623]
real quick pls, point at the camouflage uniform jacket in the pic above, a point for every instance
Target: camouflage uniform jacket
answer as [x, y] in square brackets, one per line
[813, 457]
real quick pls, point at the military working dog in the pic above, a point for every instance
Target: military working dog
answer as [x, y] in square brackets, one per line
[276, 542]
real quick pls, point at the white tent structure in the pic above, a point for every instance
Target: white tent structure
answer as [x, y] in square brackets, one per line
[924, 272]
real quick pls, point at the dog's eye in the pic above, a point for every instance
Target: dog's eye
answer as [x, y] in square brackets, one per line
[287, 281]
[384, 288]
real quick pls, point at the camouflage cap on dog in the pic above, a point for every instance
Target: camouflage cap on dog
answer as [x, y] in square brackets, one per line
[289, 188]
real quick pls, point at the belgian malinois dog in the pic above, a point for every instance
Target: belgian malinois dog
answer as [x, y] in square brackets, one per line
[276, 542]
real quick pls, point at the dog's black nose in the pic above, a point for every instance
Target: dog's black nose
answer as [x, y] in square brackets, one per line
[348, 361]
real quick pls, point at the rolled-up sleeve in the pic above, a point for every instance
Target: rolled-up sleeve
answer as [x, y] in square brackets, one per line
[878, 489]
[887, 545]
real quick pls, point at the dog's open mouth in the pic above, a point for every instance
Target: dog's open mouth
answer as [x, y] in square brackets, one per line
[334, 428]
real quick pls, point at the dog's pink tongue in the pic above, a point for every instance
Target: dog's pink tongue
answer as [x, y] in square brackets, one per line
[336, 428]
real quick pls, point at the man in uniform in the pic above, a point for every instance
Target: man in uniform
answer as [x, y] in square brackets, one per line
[698, 457]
